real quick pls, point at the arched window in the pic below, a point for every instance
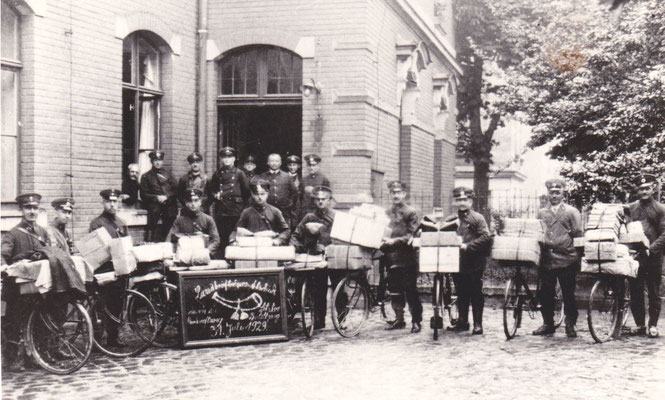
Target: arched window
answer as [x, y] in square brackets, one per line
[260, 71]
[11, 69]
[141, 95]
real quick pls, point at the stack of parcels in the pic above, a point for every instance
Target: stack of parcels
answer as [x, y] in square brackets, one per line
[304, 260]
[124, 262]
[634, 235]
[366, 226]
[94, 248]
[601, 245]
[520, 241]
[606, 216]
[35, 276]
[257, 252]
[621, 264]
[151, 252]
[342, 256]
[192, 250]
[439, 252]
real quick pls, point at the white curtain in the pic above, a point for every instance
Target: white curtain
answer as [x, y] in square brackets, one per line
[147, 134]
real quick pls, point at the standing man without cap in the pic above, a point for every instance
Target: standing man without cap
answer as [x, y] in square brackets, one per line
[560, 260]
[310, 180]
[112, 292]
[131, 186]
[22, 239]
[158, 191]
[651, 214]
[475, 247]
[283, 192]
[57, 229]
[249, 166]
[192, 221]
[400, 258]
[293, 169]
[195, 178]
[229, 191]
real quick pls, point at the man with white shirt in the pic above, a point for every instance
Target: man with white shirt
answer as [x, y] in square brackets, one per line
[560, 260]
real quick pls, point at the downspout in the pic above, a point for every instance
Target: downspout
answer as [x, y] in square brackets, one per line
[201, 111]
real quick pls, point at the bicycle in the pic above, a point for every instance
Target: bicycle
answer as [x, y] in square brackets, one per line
[443, 298]
[354, 298]
[609, 302]
[299, 295]
[136, 320]
[58, 333]
[519, 296]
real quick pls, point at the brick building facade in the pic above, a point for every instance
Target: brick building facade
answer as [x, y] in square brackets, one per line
[89, 86]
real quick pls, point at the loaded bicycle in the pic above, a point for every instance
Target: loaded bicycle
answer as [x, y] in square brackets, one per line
[299, 293]
[607, 310]
[444, 301]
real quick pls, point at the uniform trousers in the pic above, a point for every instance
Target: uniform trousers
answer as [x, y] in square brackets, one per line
[168, 213]
[320, 294]
[225, 226]
[403, 288]
[548, 279]
[469, 288]
[649, 274]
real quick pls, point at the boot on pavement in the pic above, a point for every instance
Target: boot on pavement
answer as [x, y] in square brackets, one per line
[477, 322]
[544, 329]
[460, 326]
[570, 331]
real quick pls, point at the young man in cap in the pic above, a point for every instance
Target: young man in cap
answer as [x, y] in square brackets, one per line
[131, 186]
[560, 260]
[158, 191]
[261, 216]
[192, 221]
[400, 258]
[229, 191]
[310, 180]
[249, 166]
[283, 192]
[24, 238]
[475, 247]
[195, 178]
[116, 228]
[651, 214]
[57, 229]
[293, 169]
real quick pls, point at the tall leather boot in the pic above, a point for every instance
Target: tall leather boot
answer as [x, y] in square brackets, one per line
[399, 317]
[477, 321]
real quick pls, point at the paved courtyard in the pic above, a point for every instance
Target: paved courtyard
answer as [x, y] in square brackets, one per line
[376, 364]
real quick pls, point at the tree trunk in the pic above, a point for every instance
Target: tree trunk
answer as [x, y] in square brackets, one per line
[481, 184]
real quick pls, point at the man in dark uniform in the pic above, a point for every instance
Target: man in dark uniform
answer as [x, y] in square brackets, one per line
[229, 191]
[131, 186]
[312, 179]
[311, 236]
[195, 178]
[400, 258]
[293, 169]
[249, 166]
[283, 192]
[57, 229]
[475, 247]
[116, 228]
[158, 192]
[560, 260]
[192, 221]
[261, 216]
[22, 239]
[651, 214]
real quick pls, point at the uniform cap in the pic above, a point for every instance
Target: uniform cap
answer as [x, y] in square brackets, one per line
[250, 158]
[64, 203]
[227, 151]
[312, 159]
[156, 155]
[28, 199]
[110, 194]
[554, 184]
[394, 185]
[321, 189]
[462, 192]
[195, 156]
[193, 194]
[645, 179]
[293, 159]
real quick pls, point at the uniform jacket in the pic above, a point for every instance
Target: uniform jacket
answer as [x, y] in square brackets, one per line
[475, 234]
[191, 223]
[233, 185]
[303, 241]
[257, 218]
[191, 181]
[113, 224]
[60, 238]
[309, 182]
[283, 192]
[652, 216]
[562, 227]
[155, 183]
[404, 222]
[22, 238]
[249, 175]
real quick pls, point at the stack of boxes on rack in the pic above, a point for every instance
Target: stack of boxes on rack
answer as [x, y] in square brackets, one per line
[258, 251]
[519, 241]
[606, 241]
[439, 252]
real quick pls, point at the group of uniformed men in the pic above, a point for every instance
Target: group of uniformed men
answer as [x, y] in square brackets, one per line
[299, 212]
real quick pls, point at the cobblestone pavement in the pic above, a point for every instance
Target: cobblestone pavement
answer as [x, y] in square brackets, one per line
[376, 364]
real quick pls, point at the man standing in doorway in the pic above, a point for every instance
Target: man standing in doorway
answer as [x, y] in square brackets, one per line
[158, 191]
[249, 166]
[195, 178]
[131, 186]
[283, 192]
[229, 191]
[310, 180]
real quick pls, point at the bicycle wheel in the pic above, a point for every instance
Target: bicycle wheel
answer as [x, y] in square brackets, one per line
[558, 306]
[136, 329]
[352, 299]
[602, 311]
[60, 338]
[437, 303]
[291, 298]
[450, 301]
[307, 307]
[163, 297]
[512, 309]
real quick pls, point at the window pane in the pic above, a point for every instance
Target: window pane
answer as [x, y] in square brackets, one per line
[9, 135]
[148, 129]
[148, 65]
[238, 78]
[297, 74]
[227, 77]
[9, 33]
[127, 61]
[251, 76]
[273, 71]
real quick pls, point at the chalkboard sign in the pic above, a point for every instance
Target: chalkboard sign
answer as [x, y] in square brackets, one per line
[232, 306]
